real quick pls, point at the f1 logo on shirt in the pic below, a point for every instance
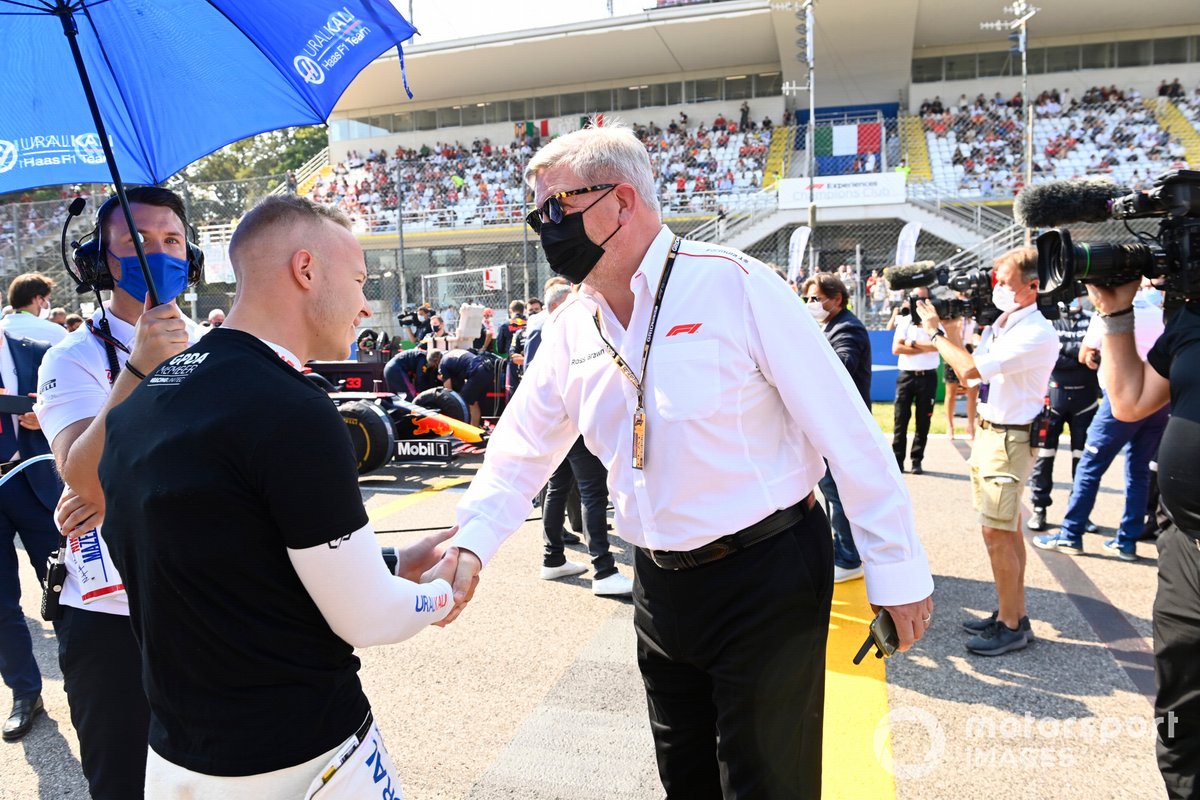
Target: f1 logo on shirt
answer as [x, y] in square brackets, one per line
[690, 328]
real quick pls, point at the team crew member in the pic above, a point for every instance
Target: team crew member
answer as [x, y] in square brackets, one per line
[81, 380]
[253, 571]
[713, 446]
[470, 374]
[411, 372]
[1014, 359]
[1074, 396]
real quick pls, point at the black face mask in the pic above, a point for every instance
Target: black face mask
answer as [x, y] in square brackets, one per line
[568, 249]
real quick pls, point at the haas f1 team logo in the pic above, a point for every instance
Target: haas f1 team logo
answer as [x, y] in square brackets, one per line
[690, 328]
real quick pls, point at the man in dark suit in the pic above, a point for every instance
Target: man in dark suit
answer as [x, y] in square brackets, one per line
[825, 297]
[27, 501]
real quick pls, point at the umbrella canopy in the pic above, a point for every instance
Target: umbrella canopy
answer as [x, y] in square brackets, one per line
[173, 80]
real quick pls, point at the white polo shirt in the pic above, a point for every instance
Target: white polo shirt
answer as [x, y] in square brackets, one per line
[73, 384]
[744, 395]
[1015, 359]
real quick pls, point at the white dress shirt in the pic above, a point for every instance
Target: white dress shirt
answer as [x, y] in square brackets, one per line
[28, 326]
[743, 397]
[1015, 359]
[909, 333]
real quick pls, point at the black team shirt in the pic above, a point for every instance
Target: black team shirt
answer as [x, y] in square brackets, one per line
[1176, 356]
[218, 462]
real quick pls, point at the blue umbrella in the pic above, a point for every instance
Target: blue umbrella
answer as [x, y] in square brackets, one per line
[113, 90]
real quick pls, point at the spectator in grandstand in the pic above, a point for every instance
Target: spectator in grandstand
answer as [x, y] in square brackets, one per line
[248, 607]
[472, 375]
[29, 296]
[1074, 396]
[734, 570]
[1014, 358]
[826, 299]
[916, 384]
[1106, 437]
[744, 115]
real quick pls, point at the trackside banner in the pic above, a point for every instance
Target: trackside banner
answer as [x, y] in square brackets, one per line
[843, 190]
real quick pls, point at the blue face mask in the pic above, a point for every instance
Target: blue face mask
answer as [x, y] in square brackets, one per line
[1153, 296]
[170, 276]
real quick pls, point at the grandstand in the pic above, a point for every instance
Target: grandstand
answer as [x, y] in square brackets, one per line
[908, 84]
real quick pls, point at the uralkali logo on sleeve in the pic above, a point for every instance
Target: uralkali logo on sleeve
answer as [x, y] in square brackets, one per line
[50, 150]
[328, 44]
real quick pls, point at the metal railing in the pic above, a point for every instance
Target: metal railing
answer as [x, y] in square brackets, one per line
[986, 251]
[971, 214]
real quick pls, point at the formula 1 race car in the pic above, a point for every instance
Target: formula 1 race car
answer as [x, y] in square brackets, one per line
[383, 426]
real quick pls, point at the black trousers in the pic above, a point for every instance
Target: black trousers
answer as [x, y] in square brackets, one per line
[919, 387]
[102, 674]
[1176, 666]
[732, 654]
[1074, 406]
[592, 480]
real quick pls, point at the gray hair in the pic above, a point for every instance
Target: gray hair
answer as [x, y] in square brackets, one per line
[605, 153]
[557, 296]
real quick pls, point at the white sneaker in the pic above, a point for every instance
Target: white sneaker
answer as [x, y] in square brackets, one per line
[841, 574]
[615, 584]
[563, 570]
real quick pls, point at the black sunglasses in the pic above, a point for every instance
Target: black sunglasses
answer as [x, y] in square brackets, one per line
[552, 209]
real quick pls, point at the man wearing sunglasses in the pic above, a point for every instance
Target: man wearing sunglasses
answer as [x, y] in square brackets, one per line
[700, 382]
[825, 296]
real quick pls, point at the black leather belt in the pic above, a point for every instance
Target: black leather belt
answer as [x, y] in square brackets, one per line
[715, 550]
[919, 372]
[983, 423]
[8, 466]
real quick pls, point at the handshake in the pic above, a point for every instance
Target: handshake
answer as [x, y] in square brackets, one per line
[428, 559]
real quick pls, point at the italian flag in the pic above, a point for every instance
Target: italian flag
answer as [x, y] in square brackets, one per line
[847, 140]
[532, 128]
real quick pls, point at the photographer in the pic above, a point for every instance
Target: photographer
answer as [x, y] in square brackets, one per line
[916, 384]
[1136, 390]
[1014, 360]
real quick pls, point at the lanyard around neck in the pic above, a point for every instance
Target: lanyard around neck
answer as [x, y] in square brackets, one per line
[639, 382]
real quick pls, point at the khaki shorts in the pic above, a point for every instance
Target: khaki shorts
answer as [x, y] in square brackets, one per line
[1000, 464]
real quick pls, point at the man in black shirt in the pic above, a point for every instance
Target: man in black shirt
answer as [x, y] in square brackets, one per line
[251, 567]
[1137, 389]
[411, 372]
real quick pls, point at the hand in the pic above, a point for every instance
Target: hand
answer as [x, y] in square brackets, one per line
[444, 568]
[418, 557]
[517, 359]
[76, 516]
[1108, 299]
[1090, 358]
[911, 619]
[160, 334]
[929, 317]
[466, 578]
[29, 420]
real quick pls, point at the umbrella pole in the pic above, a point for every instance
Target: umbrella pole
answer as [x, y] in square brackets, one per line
[71, 30]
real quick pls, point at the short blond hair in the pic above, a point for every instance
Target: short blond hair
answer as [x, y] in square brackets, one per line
[608, 153]
[282, 211]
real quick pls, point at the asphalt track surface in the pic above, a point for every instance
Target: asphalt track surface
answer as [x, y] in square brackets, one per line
[534, 692]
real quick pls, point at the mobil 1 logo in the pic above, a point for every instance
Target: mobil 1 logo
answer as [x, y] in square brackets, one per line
[424, 450]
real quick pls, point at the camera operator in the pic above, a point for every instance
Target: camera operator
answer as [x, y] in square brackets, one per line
[1137, 389]
[1014, 360]
[916, 384]
[1074, 394]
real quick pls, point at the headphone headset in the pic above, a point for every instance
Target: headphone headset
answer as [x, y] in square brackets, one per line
[91, 257]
